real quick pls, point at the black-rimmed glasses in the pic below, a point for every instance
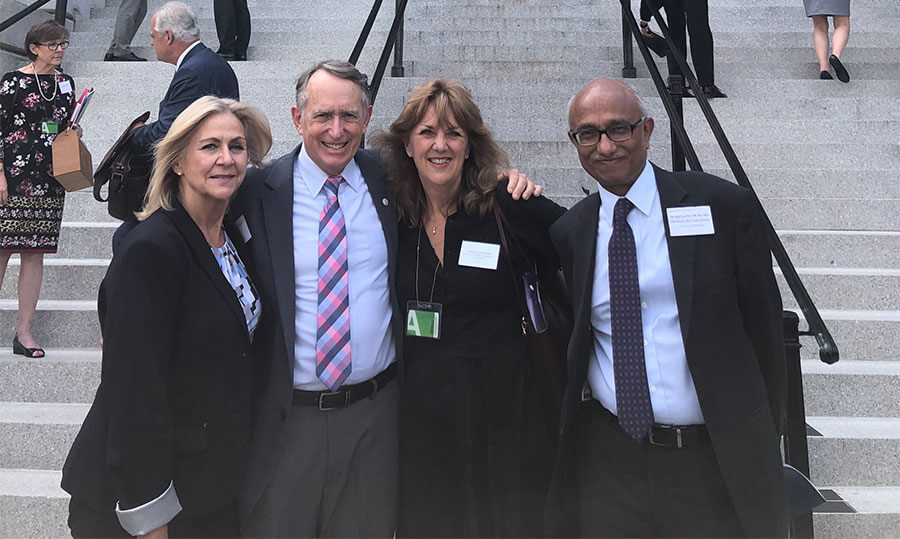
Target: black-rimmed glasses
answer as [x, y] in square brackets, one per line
[56, 45]
[616, 133]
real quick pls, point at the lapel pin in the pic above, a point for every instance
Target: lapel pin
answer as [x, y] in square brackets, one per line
[384, 201]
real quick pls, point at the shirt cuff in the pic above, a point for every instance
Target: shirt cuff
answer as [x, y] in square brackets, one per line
[145, 518]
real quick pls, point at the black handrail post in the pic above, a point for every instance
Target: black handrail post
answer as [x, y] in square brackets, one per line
[628, 69]
[397, 68]
[796, 451]
[676, 91]
[60, 14]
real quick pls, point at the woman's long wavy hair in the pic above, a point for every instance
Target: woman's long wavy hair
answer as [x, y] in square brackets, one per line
[479, 172]
[164, 182]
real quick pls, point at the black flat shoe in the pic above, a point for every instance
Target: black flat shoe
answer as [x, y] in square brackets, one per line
[825, 75]
[839, 68]
[712, 92]
[18, 348]
[130, 57]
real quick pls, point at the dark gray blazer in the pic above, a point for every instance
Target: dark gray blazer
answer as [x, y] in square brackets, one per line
[730, 312]
[265, 200]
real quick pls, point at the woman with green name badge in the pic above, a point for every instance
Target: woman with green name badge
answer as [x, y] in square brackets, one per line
[474, 451]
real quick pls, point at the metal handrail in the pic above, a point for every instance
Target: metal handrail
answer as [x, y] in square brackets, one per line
[59, 13]
[828, 351]
[393, 38]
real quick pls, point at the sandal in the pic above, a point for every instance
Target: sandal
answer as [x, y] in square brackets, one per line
[18, 348]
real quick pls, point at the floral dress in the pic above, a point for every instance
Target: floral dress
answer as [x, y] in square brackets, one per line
[31, 216]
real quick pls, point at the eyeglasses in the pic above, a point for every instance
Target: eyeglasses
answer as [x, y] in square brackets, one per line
[615, 132]
[54, 46]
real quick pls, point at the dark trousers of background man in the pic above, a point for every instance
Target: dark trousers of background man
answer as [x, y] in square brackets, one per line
[129, 17]
[631, 489]
[232, 26]
[695, 15]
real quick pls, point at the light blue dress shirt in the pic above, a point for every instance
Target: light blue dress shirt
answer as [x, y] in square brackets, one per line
[672, 392]
[371, 340]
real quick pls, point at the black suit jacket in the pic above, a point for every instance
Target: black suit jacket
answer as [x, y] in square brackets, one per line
[730, 312]
[203, 72]
[265, 200]
[174, 396]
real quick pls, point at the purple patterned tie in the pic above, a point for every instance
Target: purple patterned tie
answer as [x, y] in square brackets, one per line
[333, 322]
[632, 394]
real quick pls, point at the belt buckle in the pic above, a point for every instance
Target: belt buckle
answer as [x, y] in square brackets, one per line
[678, 441]
[324, 394]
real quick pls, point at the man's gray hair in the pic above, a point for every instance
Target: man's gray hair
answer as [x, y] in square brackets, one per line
[179, 19]
[340, 69]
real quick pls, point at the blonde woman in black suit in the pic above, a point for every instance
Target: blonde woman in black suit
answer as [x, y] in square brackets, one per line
[162, 451]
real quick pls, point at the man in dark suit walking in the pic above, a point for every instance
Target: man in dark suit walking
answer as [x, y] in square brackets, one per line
[199, 71]
[676, 388]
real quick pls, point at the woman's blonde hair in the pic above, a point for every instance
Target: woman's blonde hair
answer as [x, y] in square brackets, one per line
[168, 151]
[479, 173]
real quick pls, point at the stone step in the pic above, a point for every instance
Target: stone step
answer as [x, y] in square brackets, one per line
[38, 435]
[57, 323]
[877, 513]
[611, 50]
[85, 240]
[64, 278]
[861, 335]
[848, 288]
[823, 248]
[598, 68]
[858, 450]
[63, 376]
[343, 12]
[32, 504]
[852, 388]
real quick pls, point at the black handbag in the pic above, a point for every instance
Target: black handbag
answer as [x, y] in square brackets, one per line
[547, 324]
[127, 172]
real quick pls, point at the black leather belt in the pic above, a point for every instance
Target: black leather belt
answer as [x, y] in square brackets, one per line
[345, 395]
[674, 436]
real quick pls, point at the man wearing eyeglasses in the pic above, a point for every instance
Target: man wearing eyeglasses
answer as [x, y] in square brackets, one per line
[676, 376]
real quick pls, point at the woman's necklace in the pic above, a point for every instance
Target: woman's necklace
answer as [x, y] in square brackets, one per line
[38, 79]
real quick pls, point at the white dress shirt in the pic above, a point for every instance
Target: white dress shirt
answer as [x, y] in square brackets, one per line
[371, 340]
[672, 392]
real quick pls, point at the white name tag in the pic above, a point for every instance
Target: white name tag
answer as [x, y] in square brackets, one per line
[476, 254]
[690, 221]
[241, 224]
[65, 87]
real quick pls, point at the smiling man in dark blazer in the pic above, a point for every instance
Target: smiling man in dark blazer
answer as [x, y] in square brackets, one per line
[325, 449]
[676, 378]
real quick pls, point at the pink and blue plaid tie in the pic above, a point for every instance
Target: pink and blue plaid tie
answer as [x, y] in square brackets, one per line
[333, 323]
[632, 394]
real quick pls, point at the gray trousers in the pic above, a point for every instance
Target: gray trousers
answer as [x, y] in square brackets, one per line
[129, 17]
[338, 474]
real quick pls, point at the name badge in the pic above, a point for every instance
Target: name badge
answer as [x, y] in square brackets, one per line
[423, 319]
[690, 221]
[476, 254]
[65, 87]
[241, 224]
[49, 127]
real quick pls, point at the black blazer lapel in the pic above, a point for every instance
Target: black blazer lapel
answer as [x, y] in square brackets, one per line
[681, 249]
[277, 209]
[200, 249]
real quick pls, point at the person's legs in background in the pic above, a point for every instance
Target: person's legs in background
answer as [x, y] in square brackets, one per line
[128, 19]
[31, 274]
[820, 41]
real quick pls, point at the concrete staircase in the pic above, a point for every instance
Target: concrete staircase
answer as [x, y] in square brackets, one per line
[822, 155]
